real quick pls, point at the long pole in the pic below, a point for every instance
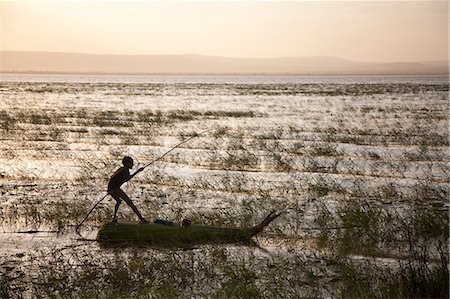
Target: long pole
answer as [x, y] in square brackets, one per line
[147, 165]
[182, 142]
[89, 213]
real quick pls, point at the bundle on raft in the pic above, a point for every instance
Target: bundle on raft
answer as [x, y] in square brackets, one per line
[160, 234]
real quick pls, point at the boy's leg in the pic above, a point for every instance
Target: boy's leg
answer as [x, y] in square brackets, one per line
[125, 197]
[118, 202]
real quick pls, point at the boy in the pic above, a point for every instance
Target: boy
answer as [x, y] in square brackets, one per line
[121, 176]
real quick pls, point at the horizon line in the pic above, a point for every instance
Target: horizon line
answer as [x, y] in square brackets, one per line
[232, 57]
[337, 74]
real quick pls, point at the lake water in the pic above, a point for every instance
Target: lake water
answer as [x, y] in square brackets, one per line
[313, 146]
[429, 79]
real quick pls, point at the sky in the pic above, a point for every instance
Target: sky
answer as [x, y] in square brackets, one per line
[379, 31]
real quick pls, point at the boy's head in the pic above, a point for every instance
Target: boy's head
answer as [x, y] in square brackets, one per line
[128, 162]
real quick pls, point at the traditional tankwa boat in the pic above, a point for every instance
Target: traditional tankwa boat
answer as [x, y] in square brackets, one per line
[160, 234]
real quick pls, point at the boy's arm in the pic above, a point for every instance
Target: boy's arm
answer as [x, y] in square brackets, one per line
[137, 171]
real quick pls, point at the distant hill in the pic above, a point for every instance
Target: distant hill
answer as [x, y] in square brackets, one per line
[18, 61]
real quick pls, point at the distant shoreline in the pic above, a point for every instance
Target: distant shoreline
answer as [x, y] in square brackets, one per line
[222, 74]
[201, 65]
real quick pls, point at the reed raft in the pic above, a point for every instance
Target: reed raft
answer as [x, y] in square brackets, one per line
[159, 234]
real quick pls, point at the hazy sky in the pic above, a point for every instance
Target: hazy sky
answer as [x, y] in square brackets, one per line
[357, 30]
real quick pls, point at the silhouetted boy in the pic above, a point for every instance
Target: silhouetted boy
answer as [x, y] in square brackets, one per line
[121, 176]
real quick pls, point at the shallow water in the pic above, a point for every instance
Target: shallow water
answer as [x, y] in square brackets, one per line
[295, 144]
[66, 78]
